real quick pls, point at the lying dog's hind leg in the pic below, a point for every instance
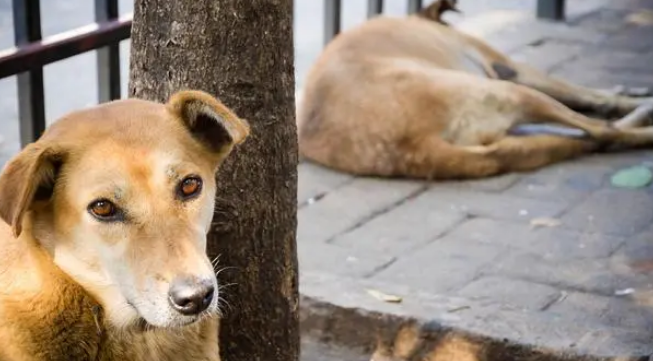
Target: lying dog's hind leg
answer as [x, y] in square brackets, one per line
[574, 96]
[508, 105]
[518, 154]
[509, 154]
[537, 107]
[499, 66]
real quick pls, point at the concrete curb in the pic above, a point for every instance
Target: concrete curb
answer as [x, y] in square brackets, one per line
[339, 311]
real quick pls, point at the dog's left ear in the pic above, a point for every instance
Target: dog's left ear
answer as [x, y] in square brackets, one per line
[208, 120]
[27, 178]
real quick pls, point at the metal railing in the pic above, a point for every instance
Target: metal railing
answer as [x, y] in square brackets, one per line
[31, 53]
[332, 10]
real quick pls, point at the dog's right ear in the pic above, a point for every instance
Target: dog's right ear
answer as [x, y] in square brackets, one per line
[28, 177]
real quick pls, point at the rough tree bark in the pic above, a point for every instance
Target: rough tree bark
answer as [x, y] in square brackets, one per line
[242, 52]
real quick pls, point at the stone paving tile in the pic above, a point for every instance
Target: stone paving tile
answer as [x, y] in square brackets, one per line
[636, 254]
[603, 312]
[510, 30]
[551, 244]
[529, 328]
[493, 205]
[586, 275]
[492, 184]
[315, 181]
[612, 211]
[612, 341]
[350, 205]
[512, 38]
[548, 54]
[567, 182]
[511, 292]
[581, 307]
[587, 77]
[632, 39]
[616, 160]
[340, 261]
[598, 60]
[606, 20]
[441, 266]
[406, 227]
[631, 5]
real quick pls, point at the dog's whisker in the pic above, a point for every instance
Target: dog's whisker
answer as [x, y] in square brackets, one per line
[216, 260]
[218, 312]
[223, 302]
[217, 272]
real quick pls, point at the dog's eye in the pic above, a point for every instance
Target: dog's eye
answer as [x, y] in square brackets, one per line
[190, 187]
[103, 209]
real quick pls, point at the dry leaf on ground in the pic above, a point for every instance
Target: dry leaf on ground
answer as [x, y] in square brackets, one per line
[384, 296]
[644, 17]
[545, 222]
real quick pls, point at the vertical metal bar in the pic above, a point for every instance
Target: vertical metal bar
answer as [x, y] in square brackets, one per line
[551, 9]
[414, 6]
[374, 7]
[108, 58]
[331, 19]
[31, 95]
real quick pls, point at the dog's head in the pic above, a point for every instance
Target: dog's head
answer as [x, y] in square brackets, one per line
[435, 11]
[121, 195]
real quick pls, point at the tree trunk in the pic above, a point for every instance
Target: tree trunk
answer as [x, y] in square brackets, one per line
[241, 51]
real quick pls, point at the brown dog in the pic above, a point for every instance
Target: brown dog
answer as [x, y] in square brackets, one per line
[103, 249]
[414, 97]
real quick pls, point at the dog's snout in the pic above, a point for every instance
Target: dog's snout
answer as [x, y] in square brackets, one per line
[190, 296]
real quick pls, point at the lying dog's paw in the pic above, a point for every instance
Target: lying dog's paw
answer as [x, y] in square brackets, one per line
[635, 92]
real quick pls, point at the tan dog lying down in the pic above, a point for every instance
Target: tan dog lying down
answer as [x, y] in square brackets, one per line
[103, 249]
[414, 97]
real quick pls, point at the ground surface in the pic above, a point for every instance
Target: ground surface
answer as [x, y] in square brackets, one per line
[467, 254]
[462, 254]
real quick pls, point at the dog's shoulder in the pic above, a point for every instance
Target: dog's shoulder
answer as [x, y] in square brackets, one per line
[43, 315]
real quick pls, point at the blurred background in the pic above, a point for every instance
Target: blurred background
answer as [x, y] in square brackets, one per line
[71, 83]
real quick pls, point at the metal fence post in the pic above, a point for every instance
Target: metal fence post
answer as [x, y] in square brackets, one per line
[31, 95]
[374, 7]
[551, 9]
[108, 58]
[331, 19]
[414, 6]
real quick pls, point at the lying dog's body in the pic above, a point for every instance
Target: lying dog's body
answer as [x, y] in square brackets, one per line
[414, 97]
[103, 243]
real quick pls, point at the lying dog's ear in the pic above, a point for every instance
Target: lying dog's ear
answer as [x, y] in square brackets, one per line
[208, 120]
[437, 8]
[27, 178]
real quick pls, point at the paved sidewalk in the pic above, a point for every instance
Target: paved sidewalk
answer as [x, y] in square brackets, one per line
[470, 255]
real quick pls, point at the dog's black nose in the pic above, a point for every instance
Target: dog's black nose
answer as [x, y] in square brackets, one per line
[190, 296]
